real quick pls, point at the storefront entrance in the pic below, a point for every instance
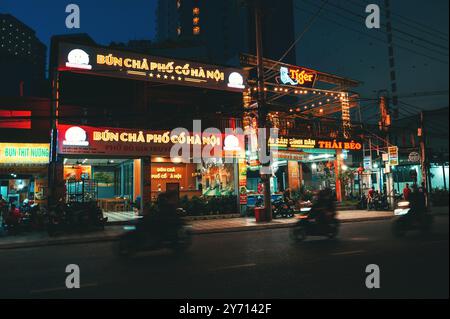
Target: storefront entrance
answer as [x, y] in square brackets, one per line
[109, 181]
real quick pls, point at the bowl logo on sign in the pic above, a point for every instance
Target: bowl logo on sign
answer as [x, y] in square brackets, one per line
[231, 143]
[75, 136]
[235, 80]
[79, 59]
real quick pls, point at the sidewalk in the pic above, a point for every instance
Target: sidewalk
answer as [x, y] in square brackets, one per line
[198, 226]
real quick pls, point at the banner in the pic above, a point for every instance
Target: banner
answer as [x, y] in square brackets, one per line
[24, 153]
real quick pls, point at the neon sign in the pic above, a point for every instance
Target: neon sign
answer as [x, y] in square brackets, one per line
[297, 76]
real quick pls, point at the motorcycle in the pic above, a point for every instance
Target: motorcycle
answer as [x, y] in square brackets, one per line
[407, 220]
[308, 226]
[139, 238]
[75, 217]
[282, 209]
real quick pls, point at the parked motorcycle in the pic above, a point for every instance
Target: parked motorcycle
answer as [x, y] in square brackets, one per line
[308, 226]
[282, 209]
[138, 238]
[75, 217]
[408, 220]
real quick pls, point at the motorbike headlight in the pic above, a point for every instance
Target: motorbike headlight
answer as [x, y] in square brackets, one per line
[403, 204]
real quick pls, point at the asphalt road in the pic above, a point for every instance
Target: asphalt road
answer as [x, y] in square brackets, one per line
[252, 264]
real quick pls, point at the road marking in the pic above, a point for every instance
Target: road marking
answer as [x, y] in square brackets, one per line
[359, 238]
[236, 267]
[44, 290]
[352, 252]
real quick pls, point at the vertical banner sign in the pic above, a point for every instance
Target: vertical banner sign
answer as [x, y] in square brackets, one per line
[367, 162]
[393, 155]
[242, 182]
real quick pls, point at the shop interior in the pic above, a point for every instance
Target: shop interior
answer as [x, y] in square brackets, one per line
[116, 183]
[314, 171]
[110, 182]
[18, 185]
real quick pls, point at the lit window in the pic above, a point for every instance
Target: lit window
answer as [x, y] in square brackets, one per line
[196, 30]
[178, 4]
[179, 30]
[196, 11]
[196, 20]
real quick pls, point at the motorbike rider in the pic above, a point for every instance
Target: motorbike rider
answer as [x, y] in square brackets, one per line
[3, 208]
[417, 203]
[287, 196]
[323, 209]
[164, 220]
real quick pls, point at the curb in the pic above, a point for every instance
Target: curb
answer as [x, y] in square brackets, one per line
[114, 237]
[60, 242]
[275, 226]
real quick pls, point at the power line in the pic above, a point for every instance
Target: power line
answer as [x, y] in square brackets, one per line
[375, 38]
[309, 24]
[395, 29]
[415, 24]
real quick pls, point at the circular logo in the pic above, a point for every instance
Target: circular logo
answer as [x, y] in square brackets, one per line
[414, 157]
[235, 80]
[79, 59]
[76, 136]
[231, 143]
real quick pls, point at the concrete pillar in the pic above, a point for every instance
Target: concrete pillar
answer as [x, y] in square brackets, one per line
[293, 175]
[337, 168]
[146, 185]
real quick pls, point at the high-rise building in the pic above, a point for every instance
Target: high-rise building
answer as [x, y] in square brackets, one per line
[225, 28]
[22, 59]
[166, 20]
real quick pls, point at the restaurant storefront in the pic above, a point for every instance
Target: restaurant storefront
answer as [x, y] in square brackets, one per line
[302, 163]
[130, 164]
[124, 168]
[24, 172]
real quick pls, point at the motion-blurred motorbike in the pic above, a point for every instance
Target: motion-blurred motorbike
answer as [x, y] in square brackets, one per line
[309, 226]
[409, 220]
[139, 238]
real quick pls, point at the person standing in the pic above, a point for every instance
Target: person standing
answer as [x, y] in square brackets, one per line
[406, 192]
[424, 193]
[370, 197]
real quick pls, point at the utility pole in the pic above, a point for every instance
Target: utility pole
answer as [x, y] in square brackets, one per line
[384, 124]
[392, 71]
[423, 151]
[262, 108]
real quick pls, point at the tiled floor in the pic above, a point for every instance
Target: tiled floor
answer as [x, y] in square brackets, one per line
[120, 216]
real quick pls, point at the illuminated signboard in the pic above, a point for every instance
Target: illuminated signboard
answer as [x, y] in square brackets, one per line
[24, 153]
[393, 155]
[302, 143]
[297, 76]
[122, 64]
[85, 140]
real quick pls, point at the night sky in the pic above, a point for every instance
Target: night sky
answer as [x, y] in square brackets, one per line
[327, 46]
